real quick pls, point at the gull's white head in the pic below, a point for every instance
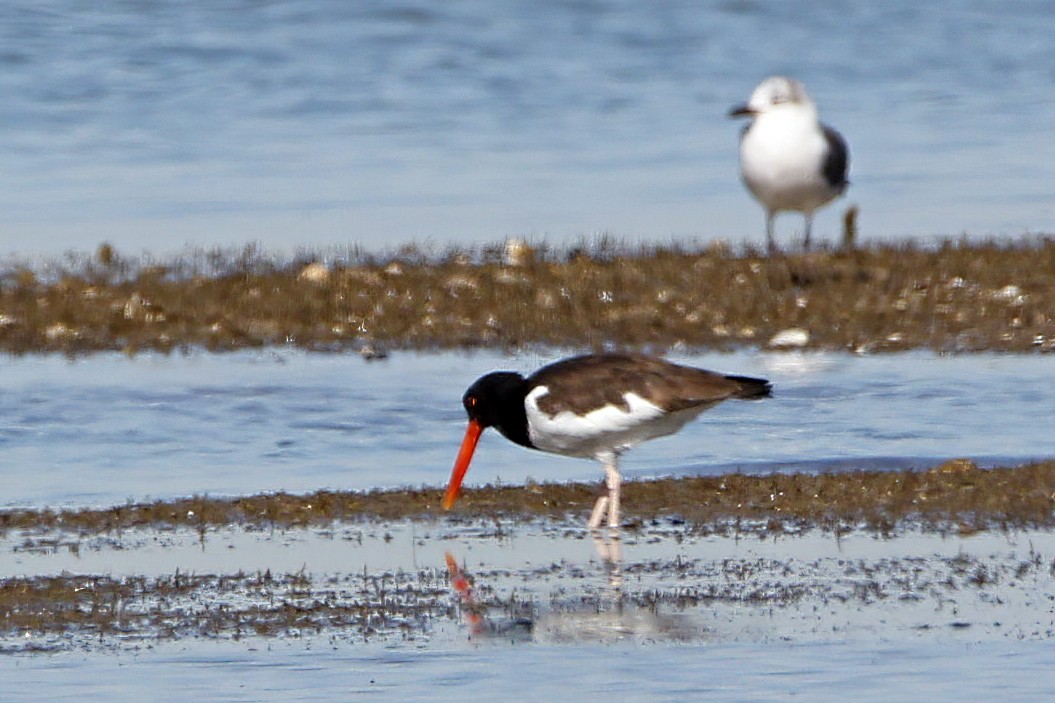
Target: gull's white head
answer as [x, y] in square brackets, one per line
[773, 93]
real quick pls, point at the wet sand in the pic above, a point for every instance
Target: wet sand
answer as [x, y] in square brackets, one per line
[531, 581]
[956, 296]
[954, 496]
[702, 558]
[725, 557]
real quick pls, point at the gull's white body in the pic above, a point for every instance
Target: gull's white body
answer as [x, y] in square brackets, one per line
[788, 159]
[782, 156]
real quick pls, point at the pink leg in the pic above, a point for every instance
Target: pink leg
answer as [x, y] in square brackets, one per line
[599, 510]
[608, 503]
[615, 481]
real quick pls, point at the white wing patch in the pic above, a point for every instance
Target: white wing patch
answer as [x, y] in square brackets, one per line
[602, 431]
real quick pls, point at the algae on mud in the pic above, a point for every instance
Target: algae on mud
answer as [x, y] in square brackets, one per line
[217, 605]
[673, 585]
[957, 495]
[958, 296]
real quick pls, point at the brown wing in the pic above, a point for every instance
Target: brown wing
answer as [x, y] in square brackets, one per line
[584, 383]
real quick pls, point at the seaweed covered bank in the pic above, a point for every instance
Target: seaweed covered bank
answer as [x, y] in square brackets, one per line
[960, 296]
[955, 496]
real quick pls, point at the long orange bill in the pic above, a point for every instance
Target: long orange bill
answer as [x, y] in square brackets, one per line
[461, 464]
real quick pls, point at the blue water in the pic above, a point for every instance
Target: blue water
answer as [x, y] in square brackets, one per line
[107, 429]
[293, 123]
[864, 671]
[157, 125]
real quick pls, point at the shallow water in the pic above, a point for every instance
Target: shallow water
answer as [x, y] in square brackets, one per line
[154, 125]
[106, 429]
[738, 672]
[812, 616]
[809, 616]
[296, 124]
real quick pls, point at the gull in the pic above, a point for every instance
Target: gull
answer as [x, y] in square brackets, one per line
[789, 160]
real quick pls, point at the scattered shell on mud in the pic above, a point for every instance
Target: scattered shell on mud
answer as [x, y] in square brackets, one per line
[953, 297]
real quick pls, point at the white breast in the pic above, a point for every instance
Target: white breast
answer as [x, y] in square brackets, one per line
[782, 159]
[603, 431]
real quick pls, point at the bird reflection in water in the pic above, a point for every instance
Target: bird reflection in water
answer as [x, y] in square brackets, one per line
[509, 624]
[604, 614]
[609, 546]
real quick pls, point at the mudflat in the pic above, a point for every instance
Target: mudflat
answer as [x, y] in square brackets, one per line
[955, 296]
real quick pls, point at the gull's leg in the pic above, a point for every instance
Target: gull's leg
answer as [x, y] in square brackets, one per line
[770, 244]
[809, 227]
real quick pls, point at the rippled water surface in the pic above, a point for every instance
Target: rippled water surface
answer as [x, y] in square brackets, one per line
[807, 617]
[864, 617]
[158, 125]
[830, 672]
[153, 125]
[106, 429]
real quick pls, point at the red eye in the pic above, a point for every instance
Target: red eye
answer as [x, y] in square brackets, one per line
[471, 401]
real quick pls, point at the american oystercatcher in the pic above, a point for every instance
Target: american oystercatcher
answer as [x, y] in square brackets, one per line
[597, 405]
[788, 159]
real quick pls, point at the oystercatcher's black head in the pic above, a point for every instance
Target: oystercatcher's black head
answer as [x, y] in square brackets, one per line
[495, 400]
[487, 400]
